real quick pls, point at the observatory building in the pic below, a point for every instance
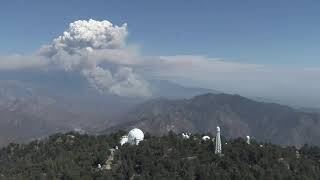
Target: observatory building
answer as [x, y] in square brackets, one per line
[185, 136]
[123, 140]
[134, 137]
[206, 138]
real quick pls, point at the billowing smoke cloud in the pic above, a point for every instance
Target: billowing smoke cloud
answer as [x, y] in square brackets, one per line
[97, 50]
[89, 35]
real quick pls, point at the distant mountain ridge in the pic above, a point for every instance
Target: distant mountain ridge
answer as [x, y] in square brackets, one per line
[170, 90]
[34, 109]
[236, 115]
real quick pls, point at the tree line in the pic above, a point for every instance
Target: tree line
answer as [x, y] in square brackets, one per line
[74, 156]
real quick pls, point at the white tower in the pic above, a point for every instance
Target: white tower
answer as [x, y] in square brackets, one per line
[218, 142]
[248, 139]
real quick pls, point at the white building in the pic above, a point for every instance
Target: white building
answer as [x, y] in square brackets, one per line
[185, 136]
[205, 138]
[123, 140]
[248, 139]
[135, 136]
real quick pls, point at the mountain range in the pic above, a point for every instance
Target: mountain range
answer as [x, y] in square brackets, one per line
[36, 109]
[236, 115]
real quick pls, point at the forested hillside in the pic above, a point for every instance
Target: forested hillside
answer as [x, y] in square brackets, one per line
[75, 156]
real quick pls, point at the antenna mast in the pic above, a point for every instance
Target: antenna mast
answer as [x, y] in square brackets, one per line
[218, 150]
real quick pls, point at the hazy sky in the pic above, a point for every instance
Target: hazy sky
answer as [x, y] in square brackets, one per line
[281, 33]
[258, 48]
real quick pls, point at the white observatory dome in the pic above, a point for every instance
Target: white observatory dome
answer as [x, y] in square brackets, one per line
[135, 136]
[185, 136]
[123, 140]
[205, 138]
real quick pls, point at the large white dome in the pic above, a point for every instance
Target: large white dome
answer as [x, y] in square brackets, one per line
[135, 136]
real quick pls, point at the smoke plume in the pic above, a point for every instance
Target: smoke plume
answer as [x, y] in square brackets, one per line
[97, 50]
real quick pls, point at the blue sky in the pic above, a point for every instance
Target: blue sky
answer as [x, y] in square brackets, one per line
[277, 33]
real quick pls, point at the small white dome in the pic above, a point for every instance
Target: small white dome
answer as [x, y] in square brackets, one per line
[123, 140]
[185, 136]
[135, 136]
[205, 138]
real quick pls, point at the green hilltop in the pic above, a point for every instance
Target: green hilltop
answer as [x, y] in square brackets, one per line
[74, 156]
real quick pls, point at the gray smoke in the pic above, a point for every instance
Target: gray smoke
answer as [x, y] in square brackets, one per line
[97, 50]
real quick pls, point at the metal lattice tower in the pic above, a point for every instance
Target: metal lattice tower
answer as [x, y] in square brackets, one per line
[218, 142]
